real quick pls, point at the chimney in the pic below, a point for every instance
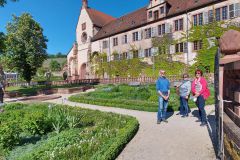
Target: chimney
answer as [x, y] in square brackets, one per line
[85, 3]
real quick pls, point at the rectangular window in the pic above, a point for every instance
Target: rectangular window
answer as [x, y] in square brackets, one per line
[125, 55]
[218, 14]
[147, 52]
[179, 47]
[179, 25]
[135, 54]
[176, 25]
[195, 21]
[197, 45]
[105, 44]
[148, 33]
[156, 15]
[232, 11]
[237, 9]
[200, 19]
[161, 29]
[150, 14]
[135, 36]
[224, 13]
[115, 41]
[125, 39]
[210, 16]
[162, 10]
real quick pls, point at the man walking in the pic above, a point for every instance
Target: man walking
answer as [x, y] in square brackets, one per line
[163, 90]
[2, 83]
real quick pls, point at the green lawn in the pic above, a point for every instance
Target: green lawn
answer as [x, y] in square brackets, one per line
[38, 131]
[31, 90]
[143, 98]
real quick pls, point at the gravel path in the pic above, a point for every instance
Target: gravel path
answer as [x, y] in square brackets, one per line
[179, 139]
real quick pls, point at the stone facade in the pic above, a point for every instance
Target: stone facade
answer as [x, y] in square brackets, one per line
[138, 28]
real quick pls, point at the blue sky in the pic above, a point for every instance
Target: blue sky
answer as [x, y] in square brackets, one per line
[58, 18]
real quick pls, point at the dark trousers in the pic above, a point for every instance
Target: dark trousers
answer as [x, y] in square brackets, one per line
[183, 106]
[1, 95]
[201, 104]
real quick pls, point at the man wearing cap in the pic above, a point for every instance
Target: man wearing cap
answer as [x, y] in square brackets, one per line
[163, 90]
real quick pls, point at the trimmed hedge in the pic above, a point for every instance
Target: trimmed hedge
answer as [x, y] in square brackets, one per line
[98, 135]
[143, 98]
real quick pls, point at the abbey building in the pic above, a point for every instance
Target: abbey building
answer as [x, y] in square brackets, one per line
[102, 33]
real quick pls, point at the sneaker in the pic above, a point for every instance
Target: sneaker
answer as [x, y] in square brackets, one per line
[183, 116]
[187, 115]
[178, 113]
[165, 121]
[158, 122]
[198, 120]
[203, 124]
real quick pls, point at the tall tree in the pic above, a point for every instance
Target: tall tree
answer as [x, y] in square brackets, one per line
[25, 46]
[4, 2]
[2, 45]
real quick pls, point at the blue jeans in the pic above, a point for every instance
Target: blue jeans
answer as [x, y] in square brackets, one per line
[162, 108]
[183, 106]
[201, 104]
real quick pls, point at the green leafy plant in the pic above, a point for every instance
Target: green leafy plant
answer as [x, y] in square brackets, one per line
[87, 134]
[36, 123]
[58, 117]
[9, 134]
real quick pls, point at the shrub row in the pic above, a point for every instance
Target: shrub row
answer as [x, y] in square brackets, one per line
[143, 98]
[120, 103]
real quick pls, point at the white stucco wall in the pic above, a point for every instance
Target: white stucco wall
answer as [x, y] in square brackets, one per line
[143, 43]
[146, 43]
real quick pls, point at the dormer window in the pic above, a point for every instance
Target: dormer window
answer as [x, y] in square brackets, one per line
[150, 14]
[156, 15]
[162, 10]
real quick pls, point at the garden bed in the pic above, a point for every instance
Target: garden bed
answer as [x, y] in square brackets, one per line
[13, 92]
[46, 131]
[143, 98]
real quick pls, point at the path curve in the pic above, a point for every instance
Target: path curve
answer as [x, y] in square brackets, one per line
[179, 139]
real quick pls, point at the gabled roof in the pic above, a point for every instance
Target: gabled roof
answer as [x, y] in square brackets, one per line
[98, 18]
[139, 18]
[179, 6]
[126, 22]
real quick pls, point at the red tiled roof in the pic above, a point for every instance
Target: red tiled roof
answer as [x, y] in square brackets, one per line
[139, 17]
[179, 6]
[98, 18]
[126, 22]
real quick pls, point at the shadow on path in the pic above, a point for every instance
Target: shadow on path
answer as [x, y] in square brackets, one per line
[211, 128]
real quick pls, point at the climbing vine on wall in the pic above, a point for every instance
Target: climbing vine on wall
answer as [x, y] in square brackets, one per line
[209, 35]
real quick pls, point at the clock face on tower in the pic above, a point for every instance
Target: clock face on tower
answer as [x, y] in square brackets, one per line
[84, 37]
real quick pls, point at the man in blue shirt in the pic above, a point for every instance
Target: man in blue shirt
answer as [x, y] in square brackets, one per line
[163, 90]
